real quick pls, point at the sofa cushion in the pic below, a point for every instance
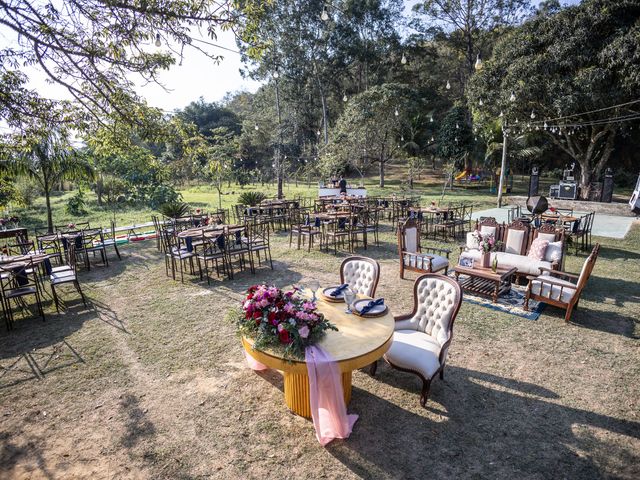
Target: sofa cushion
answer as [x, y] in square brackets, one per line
[521, 262]
[414, 350]
[553, 253]
[422, 262]
[472, 243]
[562, 293]
[515, 241]
[537, 249]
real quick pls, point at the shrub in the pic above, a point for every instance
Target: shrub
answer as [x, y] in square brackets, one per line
[159, 195]
[251, 198]
[76, 204]
[26, 191]
[174, 209]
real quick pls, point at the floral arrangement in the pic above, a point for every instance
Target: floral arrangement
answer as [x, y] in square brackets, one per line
[486, 241]
[71, 226]
[277, 320]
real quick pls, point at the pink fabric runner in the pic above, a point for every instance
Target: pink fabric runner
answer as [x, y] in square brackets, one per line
[328, 409]
[253, 363]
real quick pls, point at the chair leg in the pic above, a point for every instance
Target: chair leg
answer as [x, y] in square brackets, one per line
[55, 298]
[424, 395]
[567, 315]
[77, 284]
[118, 251]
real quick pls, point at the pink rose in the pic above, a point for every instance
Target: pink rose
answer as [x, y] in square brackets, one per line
[303, 331]
[309, 306]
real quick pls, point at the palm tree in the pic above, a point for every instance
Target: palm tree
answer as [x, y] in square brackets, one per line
[49, 160]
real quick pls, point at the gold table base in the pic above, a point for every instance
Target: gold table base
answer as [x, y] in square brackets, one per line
[296, 392]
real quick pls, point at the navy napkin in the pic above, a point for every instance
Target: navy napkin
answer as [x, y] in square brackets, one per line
[339, 290]
[21, 276]
[220, 242]
[189, 243]
[370, 305]
[47, 266]
[317, 222]
[342, 222]
[238, 237]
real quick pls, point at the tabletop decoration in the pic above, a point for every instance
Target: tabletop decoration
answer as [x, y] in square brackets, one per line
[487, 243]
[278, 320]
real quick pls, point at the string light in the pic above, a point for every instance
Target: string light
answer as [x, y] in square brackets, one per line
[448, 86]
[324, 16]
[533, 114]
[480, 102]
[501, 114]
[457, 126]
[512, 98]
[318, 133]
[403, 60]
[276, 75]
[433, 139]
[396, 113]
[344, 98]
[158, 41]
[256, 127]
[431, 119]
[478, 64]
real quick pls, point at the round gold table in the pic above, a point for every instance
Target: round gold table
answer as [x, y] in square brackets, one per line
[357, 343]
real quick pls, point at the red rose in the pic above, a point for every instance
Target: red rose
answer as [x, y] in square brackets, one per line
[284, 336]
[257, 314]
[250, 296]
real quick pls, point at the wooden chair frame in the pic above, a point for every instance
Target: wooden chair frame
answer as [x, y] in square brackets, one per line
[426, 382]
[578, 286]
[402, 228]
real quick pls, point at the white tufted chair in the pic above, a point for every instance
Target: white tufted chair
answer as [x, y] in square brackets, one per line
[421, 338]
[361, 273]
[416, 258]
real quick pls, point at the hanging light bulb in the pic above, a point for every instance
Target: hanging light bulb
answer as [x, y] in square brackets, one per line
[256, 127]
[455, 139]
[480, 102]
[403, 60]
[545, 125]
[533, 114]
[516, 120]
[501, 114]
[344, 98]
[448, 86]
[512, 98]
[324, 16]
[402, 138]
[457, 126]
[318, 133]
[396, 113]
[158, 41]
[431, 119]
[478, 64]
[276, 75]
[433, 139]
[537, 127]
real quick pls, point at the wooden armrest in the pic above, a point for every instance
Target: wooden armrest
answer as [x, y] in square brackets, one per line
[435, 249]
[557, 273]
[546, 279]
[405, 316]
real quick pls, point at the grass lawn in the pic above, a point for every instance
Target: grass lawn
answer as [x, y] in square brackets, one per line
[150, 382]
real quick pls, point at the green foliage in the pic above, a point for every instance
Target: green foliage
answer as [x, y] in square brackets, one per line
[76, 204]
[8, 191]
[174, 209]
[26, 191]
[455, 138]
[158, 195]
[251, 198]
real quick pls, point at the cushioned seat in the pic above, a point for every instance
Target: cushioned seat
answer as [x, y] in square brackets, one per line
[522, 263]
[421, 261]
[415, 351]
[421, 338]
[562, 292]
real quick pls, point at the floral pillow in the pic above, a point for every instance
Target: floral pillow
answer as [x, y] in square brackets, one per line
[537, 249]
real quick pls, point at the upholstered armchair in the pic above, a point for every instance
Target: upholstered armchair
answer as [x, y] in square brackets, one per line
[559, 288]
[362, 274]
[416, 258]
[422, 338]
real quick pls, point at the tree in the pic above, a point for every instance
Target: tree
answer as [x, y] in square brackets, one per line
[370, 128]
[48, 161]
[455, 139]
[90, 47]
[559, 67]
[464, 24]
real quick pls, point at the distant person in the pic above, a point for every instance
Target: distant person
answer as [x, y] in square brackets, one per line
[342, 185]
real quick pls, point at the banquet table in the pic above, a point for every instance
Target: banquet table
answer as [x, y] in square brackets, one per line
[209, 230]
[358, 342]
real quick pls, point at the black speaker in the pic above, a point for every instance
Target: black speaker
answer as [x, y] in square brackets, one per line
[534, 182]
[568, 191]
[607, 187]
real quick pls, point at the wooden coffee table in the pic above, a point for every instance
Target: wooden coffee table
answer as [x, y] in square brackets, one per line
[485, 281]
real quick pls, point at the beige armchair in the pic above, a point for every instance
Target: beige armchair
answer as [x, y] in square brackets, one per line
[361, 273]
[422, 338]
[416, 258]
[559, 288]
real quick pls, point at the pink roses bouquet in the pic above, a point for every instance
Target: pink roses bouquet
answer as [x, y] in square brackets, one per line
[486, 241]
[278, 320]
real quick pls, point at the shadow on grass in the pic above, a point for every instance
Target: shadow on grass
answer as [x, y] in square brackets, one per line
[481, 425]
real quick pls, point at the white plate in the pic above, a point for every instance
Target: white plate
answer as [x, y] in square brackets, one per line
[374, 312]
[327, 293]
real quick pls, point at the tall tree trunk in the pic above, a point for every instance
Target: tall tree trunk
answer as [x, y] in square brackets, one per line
[381, 170]
[47, 200]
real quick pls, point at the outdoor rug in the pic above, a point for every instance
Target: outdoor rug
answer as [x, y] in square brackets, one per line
[511, 303]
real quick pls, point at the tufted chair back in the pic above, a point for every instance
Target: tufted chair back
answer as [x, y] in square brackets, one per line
[436, 299]
[361, 273]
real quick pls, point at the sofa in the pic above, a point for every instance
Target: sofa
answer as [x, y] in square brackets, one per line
[517, 239]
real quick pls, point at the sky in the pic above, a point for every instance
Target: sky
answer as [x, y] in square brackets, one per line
[198, 76]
